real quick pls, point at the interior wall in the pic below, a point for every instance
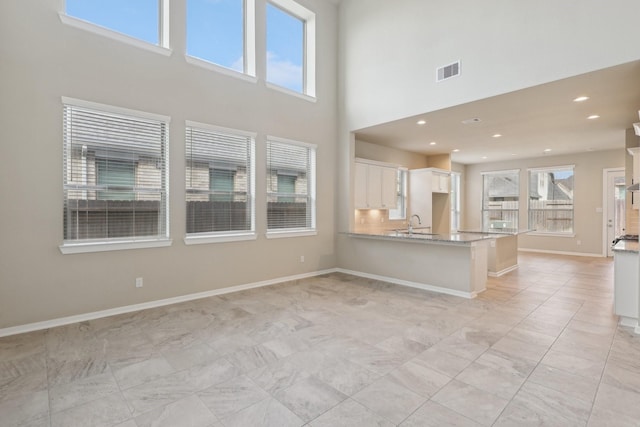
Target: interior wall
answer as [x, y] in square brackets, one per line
[588, 214]
[631, 215]
[380, 153]
[43, 60]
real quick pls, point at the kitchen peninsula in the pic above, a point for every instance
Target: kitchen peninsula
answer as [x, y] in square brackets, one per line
[454, 263]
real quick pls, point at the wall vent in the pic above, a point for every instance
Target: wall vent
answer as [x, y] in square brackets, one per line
[448, 71]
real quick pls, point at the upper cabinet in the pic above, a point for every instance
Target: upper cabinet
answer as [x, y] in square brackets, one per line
[440, 181]
[375, 185]
[635, 197]
[429, 198]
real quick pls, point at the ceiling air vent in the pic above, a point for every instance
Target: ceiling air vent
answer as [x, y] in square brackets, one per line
[448, 71]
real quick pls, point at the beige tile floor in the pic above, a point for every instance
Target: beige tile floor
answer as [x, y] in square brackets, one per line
[539, 347]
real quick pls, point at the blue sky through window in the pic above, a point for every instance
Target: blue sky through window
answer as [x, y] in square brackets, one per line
[135, 18]
[285, 49]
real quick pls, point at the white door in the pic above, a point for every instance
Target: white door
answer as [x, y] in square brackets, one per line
[615, 192]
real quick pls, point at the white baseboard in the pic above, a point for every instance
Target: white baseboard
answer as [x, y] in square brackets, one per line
[36, 326]
[629, 321]
[410, 284]
[542, 251]
[502, 272]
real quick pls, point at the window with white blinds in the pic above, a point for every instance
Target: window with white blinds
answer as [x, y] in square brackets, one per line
[291, 198]
[220, 181]
[115, 174]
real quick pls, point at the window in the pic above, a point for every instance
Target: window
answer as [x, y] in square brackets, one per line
[290, 186]
[291, 46]
[222, 32]
[551, 200]
[500, 198]
[143, 20]
[401, 191]
[455, 201]
[220, 183]
[115, 175]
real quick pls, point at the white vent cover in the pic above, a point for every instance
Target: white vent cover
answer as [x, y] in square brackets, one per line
[448, 71]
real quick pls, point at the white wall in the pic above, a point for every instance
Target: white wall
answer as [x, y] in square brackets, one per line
[42, 59]
[587, 198]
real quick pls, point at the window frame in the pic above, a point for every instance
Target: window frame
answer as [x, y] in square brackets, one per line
[456, 200]
[308, 19]
[311, 230]
[135, 242]
[571, 233]
[162, 48]
[232, 235]
[249, 47]
[484, 226]
[401, 196]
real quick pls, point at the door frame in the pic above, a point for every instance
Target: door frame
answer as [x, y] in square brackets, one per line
[605, 202]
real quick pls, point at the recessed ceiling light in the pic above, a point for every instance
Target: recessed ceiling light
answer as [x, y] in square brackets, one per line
[456, 150]
[421, 122]
[546, 150]
[581, 99]
[593, 117]
[432, 143]
[484, 157]
[513, 154]
[497, 135]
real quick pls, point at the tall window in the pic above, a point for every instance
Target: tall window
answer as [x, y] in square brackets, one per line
[291, 169]
[551, 200]
[455, 201]
[291, 46]
[115, 174]
[140, 19]
[220, 182]
[221, 32]
[401, 196]
[500, 198]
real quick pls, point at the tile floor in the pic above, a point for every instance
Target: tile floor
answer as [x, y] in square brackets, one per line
[539, 347]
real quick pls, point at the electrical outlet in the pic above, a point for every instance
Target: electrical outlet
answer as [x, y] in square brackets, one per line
[139, 282]
[301, 258]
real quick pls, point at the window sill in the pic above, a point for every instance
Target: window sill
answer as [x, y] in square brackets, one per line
[105, 32]
[543, 234]
[291, 233]
[292, 92]
[221, 238]
[220, 69]
[79, 248]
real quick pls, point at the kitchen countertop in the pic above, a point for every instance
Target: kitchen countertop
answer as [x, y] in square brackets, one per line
[627, 246]
[419, 237]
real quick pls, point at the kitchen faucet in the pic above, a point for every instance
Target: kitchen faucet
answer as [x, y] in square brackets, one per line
[410, 225]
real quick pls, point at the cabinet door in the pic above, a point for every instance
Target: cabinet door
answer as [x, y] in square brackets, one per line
[440, 182]
[389, 186]
[374, 189]
[635, 198]
[360, 188]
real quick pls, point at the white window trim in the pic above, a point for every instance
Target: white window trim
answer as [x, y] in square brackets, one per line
[194, 239]
[162, 49]
[309, 46]
[543, 233]
[501, 172]
[115, 110]
[405, 183]
[193, 60]
[216, 128]
[282, 89]
[293, 232]
[86, 247]
[552, 168]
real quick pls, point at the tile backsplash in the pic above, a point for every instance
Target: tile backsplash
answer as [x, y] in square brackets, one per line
[375, 220]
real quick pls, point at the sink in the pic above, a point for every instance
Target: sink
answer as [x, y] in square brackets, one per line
[424, 231]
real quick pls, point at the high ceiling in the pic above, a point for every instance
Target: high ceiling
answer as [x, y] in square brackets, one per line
[530, 121]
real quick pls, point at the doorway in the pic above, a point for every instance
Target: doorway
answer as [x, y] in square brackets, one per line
[615, 205]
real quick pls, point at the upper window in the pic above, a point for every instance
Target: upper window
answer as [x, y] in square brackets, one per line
[551, 200]
[221, 32]
[115, 174]
[500, 198]
[291, 46]
[401, 196]
[455, 201]
[291, 169]
[140, 19]
[220, 181]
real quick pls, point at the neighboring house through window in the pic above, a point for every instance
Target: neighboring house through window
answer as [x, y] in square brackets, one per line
[291, 46]
[291, 169]
[115, 174]
[220, 183]
[500, 198]
[551, 200]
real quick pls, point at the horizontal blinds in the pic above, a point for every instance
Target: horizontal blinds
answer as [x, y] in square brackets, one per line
[290, 186]
[115, 176]
[219, 177]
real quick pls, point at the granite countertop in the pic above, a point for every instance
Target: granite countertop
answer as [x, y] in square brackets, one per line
[423, 237]
[627, 246]
[500, 231]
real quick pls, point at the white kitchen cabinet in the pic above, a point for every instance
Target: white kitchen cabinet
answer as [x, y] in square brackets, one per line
[440, 181]
[429, 198]
[626, 286]
[635, 197]
[375, 185]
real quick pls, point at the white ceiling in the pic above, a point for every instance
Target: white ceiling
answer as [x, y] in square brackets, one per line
[529, 120]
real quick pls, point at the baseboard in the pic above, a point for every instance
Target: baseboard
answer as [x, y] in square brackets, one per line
[36, 326]
[629, 321]
[410, 284]
[502, 272]
[542, 251]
